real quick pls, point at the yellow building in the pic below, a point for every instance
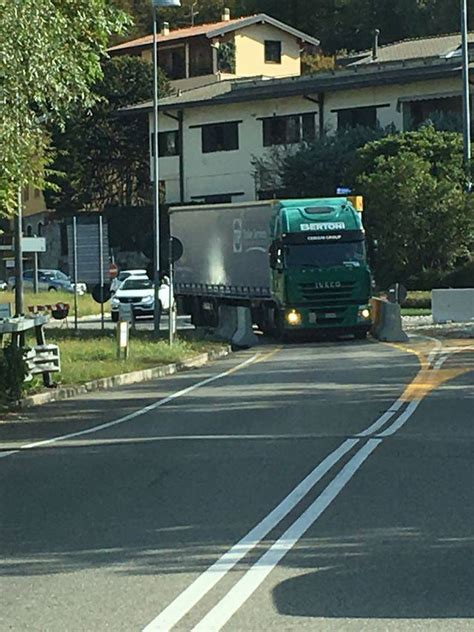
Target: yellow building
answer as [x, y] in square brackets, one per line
[252, 46]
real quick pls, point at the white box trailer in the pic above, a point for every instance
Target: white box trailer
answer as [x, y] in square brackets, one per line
[226, 249]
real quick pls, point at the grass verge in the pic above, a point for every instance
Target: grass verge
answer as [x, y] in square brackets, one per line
[93, 355]
[86, 306]
[416, 311]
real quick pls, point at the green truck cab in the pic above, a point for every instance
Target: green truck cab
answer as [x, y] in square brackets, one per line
[320, 275]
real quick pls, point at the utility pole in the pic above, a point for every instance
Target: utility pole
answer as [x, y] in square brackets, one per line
[466, 96]
[18, 238]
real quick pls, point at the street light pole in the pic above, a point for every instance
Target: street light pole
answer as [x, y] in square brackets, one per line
[156, 172]
[18, 245]
[466, 95]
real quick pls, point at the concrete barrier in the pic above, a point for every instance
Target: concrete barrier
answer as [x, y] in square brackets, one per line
[387, 321]
[227, 324]
[456, 305]
[244, 336]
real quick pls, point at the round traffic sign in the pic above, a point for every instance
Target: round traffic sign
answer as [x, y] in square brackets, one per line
[176, 249]
[113, 270]
[101, 295]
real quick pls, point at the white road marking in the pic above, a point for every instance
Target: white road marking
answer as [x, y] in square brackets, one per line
[252, 579]
[137, 413]
[178, 608]
[401, 420]
[9, 453]
[207, 580]
[381, 421]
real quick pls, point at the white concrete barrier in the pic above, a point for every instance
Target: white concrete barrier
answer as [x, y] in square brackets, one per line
[387, 321]
[455, 305]
[227, 322]
[244, 336]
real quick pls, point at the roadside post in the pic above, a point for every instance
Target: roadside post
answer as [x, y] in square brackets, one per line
[101, 268]
[74, 266]
[175, 252]
[125, 321]
[123, 339]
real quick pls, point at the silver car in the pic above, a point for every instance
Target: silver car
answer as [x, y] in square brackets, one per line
[49, 281]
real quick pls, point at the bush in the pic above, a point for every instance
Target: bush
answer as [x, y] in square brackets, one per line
[462, 277]
[13, 371]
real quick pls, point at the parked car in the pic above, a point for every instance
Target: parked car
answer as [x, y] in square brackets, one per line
[139, 292]
[49, 281]
[122, 276]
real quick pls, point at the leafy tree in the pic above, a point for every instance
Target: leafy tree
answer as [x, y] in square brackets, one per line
[313, 170]
[102, 154]
[50, 53]
[416, 205]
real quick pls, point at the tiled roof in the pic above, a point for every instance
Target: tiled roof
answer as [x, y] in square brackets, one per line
[439, 46]
[192, 31]
[212, 30]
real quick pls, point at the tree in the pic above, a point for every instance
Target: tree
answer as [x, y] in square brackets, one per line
[416, 205]
[316, 169]
[50, 54]
[102, 154]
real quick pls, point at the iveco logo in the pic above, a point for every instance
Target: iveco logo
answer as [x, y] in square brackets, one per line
[327, 285]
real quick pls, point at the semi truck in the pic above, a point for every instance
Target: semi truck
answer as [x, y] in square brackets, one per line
[299, 265]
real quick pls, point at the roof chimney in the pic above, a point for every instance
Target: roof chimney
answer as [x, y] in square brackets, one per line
[226, 15]
[165, 28]
[375, 47]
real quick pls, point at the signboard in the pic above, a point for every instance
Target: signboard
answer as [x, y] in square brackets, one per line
[343, 191]
[5, 310]
[33, 244]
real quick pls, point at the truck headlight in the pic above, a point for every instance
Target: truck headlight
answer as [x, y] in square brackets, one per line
[293, 318]
[364, 312]
[148, 300]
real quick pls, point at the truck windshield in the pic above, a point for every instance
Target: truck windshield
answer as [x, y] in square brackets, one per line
[326, 255]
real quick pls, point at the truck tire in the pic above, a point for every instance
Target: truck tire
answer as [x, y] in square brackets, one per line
[114, 316]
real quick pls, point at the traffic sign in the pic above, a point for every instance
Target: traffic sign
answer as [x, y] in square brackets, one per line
[101, 296]
[176, 249]
[113, 270]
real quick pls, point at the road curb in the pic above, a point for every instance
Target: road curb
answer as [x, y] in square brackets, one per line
[123, 379]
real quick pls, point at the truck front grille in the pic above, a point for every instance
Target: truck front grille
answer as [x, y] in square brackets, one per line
[316, 296]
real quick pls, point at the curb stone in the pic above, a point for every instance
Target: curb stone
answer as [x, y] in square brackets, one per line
[124, 379]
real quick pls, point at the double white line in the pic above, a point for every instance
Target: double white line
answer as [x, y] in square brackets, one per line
[243, 589]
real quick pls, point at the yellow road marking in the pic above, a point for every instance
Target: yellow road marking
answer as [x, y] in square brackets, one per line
[428, 379]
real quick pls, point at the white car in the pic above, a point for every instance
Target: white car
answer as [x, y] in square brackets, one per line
[138, 291]
[122, 275]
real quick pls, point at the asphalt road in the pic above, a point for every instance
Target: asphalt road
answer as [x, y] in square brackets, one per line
[315, 486]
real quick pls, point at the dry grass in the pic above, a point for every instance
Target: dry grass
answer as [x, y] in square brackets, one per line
[86, 305]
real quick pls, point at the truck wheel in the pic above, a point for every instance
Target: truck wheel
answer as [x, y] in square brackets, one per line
[360, 335]
[115, 317]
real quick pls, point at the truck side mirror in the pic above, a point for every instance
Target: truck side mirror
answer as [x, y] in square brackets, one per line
[275, 256]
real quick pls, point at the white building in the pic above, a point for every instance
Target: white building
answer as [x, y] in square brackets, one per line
[209, 136]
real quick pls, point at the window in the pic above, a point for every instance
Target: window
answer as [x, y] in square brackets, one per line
[29, 230]
[364, 117]
[287, 130]
[220, 137]
[40, 229]
[37, 193]
[272, 52]
[168, 144]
